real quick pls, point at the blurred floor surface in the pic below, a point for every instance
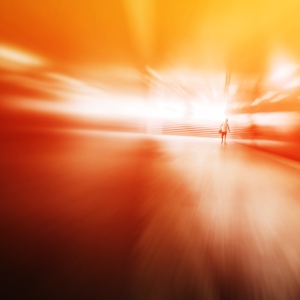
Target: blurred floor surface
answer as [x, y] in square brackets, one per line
[94, 215]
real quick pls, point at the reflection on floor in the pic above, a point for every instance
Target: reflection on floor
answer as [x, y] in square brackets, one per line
[93, 215]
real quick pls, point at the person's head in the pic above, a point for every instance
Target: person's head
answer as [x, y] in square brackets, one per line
[226, 121]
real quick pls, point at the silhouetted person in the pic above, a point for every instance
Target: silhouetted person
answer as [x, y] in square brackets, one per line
[223, 128]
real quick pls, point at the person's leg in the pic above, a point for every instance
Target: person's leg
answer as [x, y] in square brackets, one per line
[222, 137]
[225, 134]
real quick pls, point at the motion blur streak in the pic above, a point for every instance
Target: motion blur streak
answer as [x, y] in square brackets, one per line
[114, 183]
[11, 58]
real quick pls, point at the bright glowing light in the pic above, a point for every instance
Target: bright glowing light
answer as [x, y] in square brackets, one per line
[284, 72]
[210, 112]
[12, 58]
[106, 107]
[282, 120]
[293, 84]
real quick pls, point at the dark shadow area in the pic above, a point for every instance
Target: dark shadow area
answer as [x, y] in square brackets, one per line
[69, 213]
